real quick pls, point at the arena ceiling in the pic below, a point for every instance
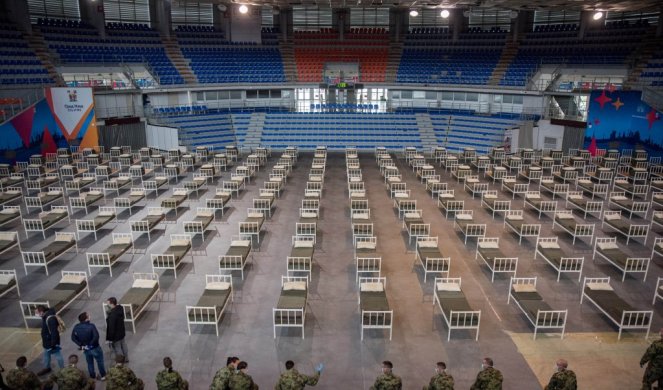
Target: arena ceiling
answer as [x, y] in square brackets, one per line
[575, 5]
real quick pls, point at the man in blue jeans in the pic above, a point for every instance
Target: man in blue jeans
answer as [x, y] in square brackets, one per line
[86, 336]
[50, 338]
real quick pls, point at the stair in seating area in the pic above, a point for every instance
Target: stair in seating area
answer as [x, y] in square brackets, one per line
[174, 53]
[508, 54]
[393, 61]
[254, 131]
[640, 57]
[37, 43]
[289, 63]
[426, 131]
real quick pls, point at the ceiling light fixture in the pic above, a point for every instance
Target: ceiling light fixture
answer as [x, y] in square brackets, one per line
[414, 13]
[597, 15]
[444, 13]
[243, 9]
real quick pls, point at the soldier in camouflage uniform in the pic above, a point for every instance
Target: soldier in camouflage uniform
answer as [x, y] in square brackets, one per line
[221, 379]
[121, 377]
[22, 378]
[241, 380]
[169, 379]
[71, 377]
[653, 357]
[441, 380]
[291, 379]
[488, 378]
[563, 378]
[387, 380]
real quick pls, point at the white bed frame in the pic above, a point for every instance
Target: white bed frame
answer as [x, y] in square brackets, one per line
[193, 228]
[461, 319]
[500, 205]
[122, 204]
[498, 264]
[129, 315]
[517, 189]
[35, 202]
[451, 206]
[201, 314]
[547, 206]
[567, 264]
[236, 261]
[298, 264]
[440, 265]
[526, 230]
[29, 308]
[473, 229]
[250, 228]
[623, 184]
[377, 319]
[631, 319]
[635, 231]
[78, 202]
[557, 318]
[637, 208]
[38, 258]
[102, 259]
[172, 205]
[633, 264]
[11, 272]
[474, 186]
[87, 225]
[592, 207]
[143, 226]
[658, 293]
[167, 261]
[290, 315]
[558, 188]
[581, 229]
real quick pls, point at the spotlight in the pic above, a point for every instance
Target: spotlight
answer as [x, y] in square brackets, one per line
[414, 13]
[444, 13]
[597, 15]
[243, 9]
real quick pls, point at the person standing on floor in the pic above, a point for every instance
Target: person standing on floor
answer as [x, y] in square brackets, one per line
[563, 378]
[441, 380]
[22, 378]
[169, 379]
[653, 358]
[122, 377]
[387, 380]
[3, 386]
[50, 338]
[488, 378]
[86, 336]
[222, 377]
[291, 379]
[241, 380]
[71, 377]
[115, 332]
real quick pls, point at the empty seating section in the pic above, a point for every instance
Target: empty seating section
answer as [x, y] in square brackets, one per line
[203, 129]
[368, 47]
[653, 73]
[431, 56]
[215, 60]
[338, 130]
[270, 35]
[458, 130]
[241, 122]
[18, 62]
[124, 43]
[550, 46]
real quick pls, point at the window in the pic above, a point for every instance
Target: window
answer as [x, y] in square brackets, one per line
[418, 95]
[472, 97]
[191, 13]
[517, 99]
[311, 18]
[497, 98]
[449, 96]
[406, 94]
[235, 95]
[361, 17]
[267, 16]
[549, 143]
[263, 94]
[431, 95]
[127, 11]
[487, 18]
[459, 96]
[224, 95]
[211, 95]
[58, 9]
[633, 17]
[251, 94]
[275, 93]
[556, 17]
[508, 99]
[429, 17]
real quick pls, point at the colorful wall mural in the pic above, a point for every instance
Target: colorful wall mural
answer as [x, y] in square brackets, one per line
[63, 118]
[621, 120]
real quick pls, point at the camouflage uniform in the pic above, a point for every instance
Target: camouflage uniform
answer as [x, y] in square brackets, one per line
[222, 377]
[292, 380]
[22, 378]
[71, 378]
[122, 378]
[441, 381]
[171, 380]
[563, 380]
[653, 357]
[387, 382]
[242, 381]
[488, 379]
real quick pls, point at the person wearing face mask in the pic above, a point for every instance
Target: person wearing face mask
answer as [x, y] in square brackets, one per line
[387, 380]
[242, 380]
[563, 378]
[488, 378]
[441, 380]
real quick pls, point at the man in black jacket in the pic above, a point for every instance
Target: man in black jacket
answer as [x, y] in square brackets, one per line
[50, 338]
[86, 336]
[115, 329]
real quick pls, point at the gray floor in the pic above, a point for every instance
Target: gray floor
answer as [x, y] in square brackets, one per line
[332, 328]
